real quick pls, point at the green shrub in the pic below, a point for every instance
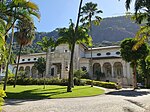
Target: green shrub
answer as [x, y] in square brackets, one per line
[79, 82]
[2, 95]
[63, 82]
[81, 74]
[40, 81]
[110, 85]
[88, 81]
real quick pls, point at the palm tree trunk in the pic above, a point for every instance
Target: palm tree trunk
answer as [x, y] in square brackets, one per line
[17, 66]
[134, 76]
[8, 62]
[91, 60]
[47, 62]
[70, 78]
[75, 36]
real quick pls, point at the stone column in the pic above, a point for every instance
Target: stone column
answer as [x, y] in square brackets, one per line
[48, 62]
[124, 69]
[102, 67]
[30, 73]
[62, 69]
[112, 70]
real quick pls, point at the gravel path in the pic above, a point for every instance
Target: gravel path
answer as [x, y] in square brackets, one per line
[124, 100]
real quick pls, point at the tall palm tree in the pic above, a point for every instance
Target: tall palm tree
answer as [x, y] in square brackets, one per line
[89, 13]
[47, 44]
[11, 12]
[24, 35]
[72, 53]
[67, 35]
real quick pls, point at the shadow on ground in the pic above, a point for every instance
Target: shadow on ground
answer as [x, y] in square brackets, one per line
[30, 95]
[129, 93]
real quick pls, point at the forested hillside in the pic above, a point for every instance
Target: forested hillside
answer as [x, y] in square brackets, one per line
[111, 31]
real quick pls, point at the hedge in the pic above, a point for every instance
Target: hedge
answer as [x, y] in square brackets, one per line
[40, 81]
[63, 82]
[110, 85]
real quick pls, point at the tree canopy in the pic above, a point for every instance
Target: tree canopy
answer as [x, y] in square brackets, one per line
[40, 64]
[130, 55]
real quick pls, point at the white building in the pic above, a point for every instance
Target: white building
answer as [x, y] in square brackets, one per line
[106, 60]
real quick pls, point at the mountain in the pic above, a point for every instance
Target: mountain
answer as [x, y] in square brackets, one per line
[114, 29]
[111, 30]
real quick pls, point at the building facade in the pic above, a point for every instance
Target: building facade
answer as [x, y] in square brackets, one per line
[106, 63]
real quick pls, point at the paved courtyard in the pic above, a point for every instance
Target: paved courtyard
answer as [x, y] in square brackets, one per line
[124, 100]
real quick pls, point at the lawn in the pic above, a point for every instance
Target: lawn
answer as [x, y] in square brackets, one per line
[51, 91]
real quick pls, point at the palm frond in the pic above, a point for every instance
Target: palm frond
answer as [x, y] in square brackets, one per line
[128, 2]
[141, 36]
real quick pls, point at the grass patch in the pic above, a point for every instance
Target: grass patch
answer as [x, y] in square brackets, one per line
[51, 91]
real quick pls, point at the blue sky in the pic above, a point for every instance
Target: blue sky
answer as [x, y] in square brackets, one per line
[56, 13]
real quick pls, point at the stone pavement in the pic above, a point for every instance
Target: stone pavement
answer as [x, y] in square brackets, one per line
[124, 100]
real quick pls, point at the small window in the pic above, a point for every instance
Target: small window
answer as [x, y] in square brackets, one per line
[66, 68]
[66, 50]
[108, 53]
[83, 68]
[52, 71]
[23, 59]
[28, 59]
[98, 54]
[118, 53]
[34, 58]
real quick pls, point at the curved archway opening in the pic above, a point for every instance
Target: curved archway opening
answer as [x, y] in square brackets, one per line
[118, 70]
[107, 69]
[27, 70]
[97, 71]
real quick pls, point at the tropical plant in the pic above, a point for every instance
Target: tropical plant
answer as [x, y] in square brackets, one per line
[2, 95]
[147, 60]
[141, 16]
[40, 65]
[89, 13]
[70, 78]
[24, 35]
[79, 73]
[71, 37]
[47, 45]
[14, 10]
[11, 12]
[2, 42]
[142, 36]
[132, 56]
[142, 10]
